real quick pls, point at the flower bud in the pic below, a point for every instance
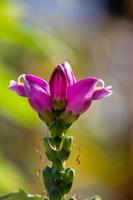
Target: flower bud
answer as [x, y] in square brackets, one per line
[51, 154]
[46, 116]
[67, 143]
[58, 175]
[68, 179]
[54, 194]
[47, 177]
[58, 87]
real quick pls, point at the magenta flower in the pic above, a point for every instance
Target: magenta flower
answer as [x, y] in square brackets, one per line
[35, 89]
[62, 92]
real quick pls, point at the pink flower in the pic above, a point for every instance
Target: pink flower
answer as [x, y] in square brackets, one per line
[35, 89]
[62, 92]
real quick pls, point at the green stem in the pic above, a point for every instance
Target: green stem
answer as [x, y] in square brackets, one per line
[57, 178]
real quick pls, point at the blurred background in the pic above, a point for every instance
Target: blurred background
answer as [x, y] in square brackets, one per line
[96, 38]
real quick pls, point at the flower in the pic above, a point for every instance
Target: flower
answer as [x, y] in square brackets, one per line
[63, 93]
[81, 94]
[35, 89]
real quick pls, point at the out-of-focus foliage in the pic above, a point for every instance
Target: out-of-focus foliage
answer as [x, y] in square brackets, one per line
[16, 109]
[10, 177]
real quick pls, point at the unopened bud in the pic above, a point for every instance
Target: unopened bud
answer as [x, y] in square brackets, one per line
[54, 194]
[58, 176]
[47, 116]
[68, 118]
[47, 177]
[51, 154]
[67, 143]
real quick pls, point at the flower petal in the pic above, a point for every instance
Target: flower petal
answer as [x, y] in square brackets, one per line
[58, 84]
[37, 91]
[69, 73]
[18, 88]
[79, 95]
[39, 99]
[31, 79]
[101, 93]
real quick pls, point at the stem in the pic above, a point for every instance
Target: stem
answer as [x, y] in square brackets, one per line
[57, 178]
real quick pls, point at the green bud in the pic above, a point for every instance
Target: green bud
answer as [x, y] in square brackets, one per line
[69, 175]
[56, 141]
[47, 116]
[63, 154]
[56, 128]
[68, 118]
[47, 177]
[68, 180]
[51, 154]
[67, 143]
[58, 175]
[54, 194]
[57, 165]
[66, 148]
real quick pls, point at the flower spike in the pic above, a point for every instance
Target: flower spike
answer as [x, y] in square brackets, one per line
[59, 103]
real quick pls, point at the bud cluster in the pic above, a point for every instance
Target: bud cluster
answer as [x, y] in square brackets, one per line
[58, 179]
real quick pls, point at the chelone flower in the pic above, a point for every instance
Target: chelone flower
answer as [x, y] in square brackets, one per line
[63, 93]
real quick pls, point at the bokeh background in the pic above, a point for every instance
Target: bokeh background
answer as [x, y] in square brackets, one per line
[96, 37]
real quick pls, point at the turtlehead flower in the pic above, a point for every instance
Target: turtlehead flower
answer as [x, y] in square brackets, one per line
[63, 93]
[35, 89]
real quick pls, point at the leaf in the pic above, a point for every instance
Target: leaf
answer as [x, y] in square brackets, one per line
[21, 195]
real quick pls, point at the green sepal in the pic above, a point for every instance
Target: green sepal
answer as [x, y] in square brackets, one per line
[67, 180]
[63, 155]
[57, 165]
[56, 141]
[58, 175]
[56, 128]
[51, 154]
[67, 142]
[68, 118]
[47, 177]
[69, 175]
[66, 148]
[54, 194]
[47, 116]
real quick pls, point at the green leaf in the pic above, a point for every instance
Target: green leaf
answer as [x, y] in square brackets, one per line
[21, 195]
